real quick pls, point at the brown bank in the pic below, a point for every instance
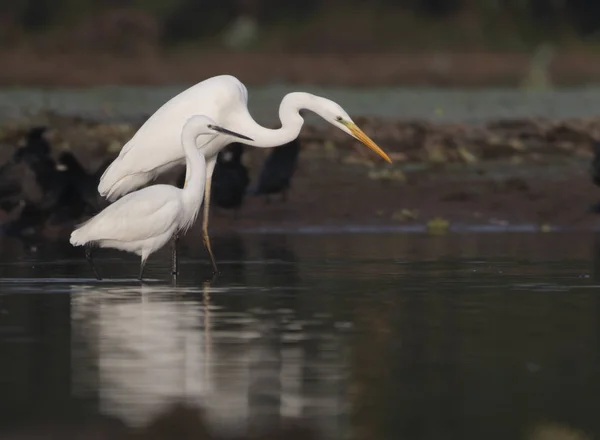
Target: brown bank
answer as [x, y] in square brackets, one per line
[508, 173]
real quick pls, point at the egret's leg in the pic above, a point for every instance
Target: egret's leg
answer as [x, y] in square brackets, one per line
[205, 236]
[210, 166]
[88, 257]
[174, 268]
[284, 195]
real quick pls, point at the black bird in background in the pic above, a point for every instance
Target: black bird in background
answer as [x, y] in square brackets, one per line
[31, 181]
[30, 170]
[81, 185]
[47, 192]
[230, 178]
[278, 169]
[36, 144]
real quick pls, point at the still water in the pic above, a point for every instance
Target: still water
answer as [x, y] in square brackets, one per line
[438, 105]
[378, 336]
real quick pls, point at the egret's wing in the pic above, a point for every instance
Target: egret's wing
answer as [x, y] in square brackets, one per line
[134, 159]
[137, 216]
[156, 146]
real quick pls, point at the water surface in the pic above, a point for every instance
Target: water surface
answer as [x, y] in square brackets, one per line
[442, 105]
[380, 336]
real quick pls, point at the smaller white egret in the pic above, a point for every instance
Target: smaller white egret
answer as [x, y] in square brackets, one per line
[145, 220]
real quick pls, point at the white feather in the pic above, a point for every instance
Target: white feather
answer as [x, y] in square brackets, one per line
[136, 217]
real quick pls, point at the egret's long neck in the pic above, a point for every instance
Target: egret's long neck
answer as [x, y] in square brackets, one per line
[195, 175]
[291, 122]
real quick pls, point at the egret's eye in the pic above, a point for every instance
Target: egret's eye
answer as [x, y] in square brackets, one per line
[339, 119]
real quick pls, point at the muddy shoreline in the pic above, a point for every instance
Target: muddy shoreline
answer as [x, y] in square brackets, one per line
[503, 174]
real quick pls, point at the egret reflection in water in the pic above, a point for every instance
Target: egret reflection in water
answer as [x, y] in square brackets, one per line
[150, 345]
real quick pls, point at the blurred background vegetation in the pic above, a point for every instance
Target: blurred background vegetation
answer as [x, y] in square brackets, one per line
[298, 25]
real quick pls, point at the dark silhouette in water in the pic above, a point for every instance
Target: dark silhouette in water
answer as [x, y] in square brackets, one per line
[278, 169]
[230, 178]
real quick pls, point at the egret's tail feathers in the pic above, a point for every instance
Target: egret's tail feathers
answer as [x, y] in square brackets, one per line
[77, 238]
[123, 186]
[80, 234]
[116, 182]
[109, 177]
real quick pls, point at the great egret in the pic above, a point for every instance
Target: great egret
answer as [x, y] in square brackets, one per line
[144, 221]
[155, 147]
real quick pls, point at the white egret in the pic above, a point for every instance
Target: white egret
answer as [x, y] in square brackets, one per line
[154, 148]
[145, 220]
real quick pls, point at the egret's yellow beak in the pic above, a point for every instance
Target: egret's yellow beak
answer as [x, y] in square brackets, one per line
[361, 136]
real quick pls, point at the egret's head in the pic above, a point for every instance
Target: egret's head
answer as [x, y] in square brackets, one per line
[337, 116]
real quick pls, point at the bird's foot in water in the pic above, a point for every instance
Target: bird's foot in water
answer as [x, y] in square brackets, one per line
[215, 276]
[143, 282]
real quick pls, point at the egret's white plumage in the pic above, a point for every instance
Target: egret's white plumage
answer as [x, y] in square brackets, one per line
[155, 147]
[145, 220]
[141, 222]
